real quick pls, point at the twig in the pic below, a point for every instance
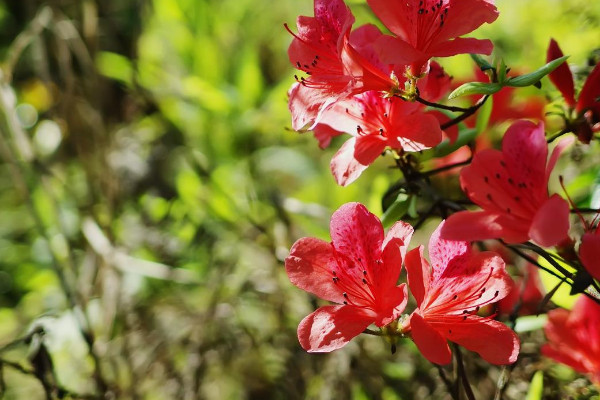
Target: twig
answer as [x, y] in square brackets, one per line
[451, 390]
[441, 106]
[462, 373]
[470, 111]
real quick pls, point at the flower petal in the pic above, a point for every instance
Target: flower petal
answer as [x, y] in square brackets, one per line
[590, 92]
[309, 267]
[368, 147]
[444, 253]
[394, 50]
[431, 344]
[589, 253]
[395, 300]
[357, 234]
[331, 327]
[324, 133]
[480, 225]
[418, 273]
[561, 77]
[461, 46]
[394, 250]
[464, 16]
[492, 340]
[551, 223]
[344, 167]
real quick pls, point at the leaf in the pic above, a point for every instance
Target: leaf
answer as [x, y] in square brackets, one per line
[483, 115]
[464, 137]
[397, 210]
[115, 66]
[536, 387]
[475, 88]
[530, 323]
[562, 297]
[481, 62]
[535, 76]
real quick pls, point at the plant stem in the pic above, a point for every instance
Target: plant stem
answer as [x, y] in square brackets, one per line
[462, 373]
[441, 106]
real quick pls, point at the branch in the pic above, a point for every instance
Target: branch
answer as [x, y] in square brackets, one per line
[441, 106]
[470, 111]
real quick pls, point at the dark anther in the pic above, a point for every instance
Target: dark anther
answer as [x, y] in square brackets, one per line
[306, 66]
[298, 64]
[364, 272]
[381, 131]
[489, 197]
[464, 318]
[421, 11]
[345, 302]
[364, 281]
[477, 308]
[496, 294]
[497, 176]
[345, 295]
[455, 297]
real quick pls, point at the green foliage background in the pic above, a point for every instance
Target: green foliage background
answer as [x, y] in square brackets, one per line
[150, 188]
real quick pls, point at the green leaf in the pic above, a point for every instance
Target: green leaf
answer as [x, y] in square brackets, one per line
[562, 297]
[483, 115]
[397, 210]
[536, 387]
[115, 66]
[502, 71]
[475, 88]
[529, 323]
[481, 62]
[464, 137]
[535, 76]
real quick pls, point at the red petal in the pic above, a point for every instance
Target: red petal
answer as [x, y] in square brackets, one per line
[461, 46]
[562, 144]
[331, 327]
[324, 133]
[414, 132]
[525, 151]
[394, 249]
[308, 267]
[394, 50]
[588, 97]
[492, 340]
[444, 253]
[394, 303]
[368, 147]
[306, 105]
[589, 253]
[551, 223]
[469, 285]
[418, 272]
[432, 345]
[345, 168]
[357, 234]
[464, 16]
[480, 225]
[561, 77]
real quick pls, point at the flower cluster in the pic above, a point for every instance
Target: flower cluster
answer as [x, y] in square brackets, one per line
[359, 270]
[358, 81]
[380, 89]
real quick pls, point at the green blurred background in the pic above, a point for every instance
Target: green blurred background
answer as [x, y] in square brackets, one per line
[150, 188]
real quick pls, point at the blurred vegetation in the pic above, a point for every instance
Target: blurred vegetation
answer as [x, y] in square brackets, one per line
[150, 188]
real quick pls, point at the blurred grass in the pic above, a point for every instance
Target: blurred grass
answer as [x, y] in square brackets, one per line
[157, 173]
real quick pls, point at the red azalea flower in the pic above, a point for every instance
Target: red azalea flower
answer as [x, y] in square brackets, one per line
[574, 337]
[358, 270]
[589, 252]
[587, 107]
[431, 28]
[335, 68]
[512, 188]
[376, 124]
[448, 296]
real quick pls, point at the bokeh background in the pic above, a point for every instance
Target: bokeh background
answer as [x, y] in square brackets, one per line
[151, 186]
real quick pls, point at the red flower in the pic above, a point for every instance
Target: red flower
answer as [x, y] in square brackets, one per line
[431, 28]
[512, 188]
[358, 270]
[589, 252]
[574, 337]
[449, 295]
[377, 123]
[587, 107]
[335, 68]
